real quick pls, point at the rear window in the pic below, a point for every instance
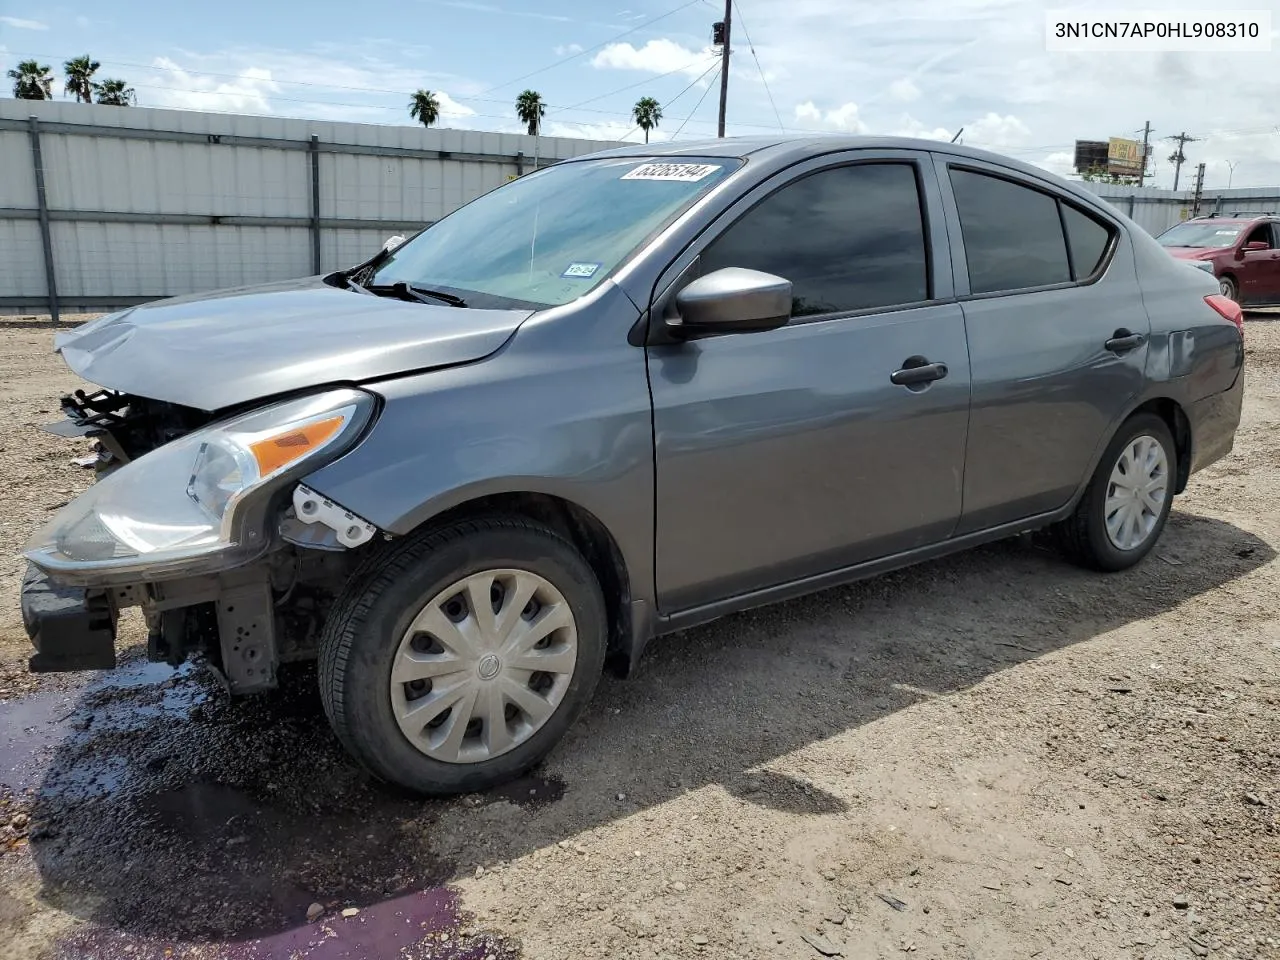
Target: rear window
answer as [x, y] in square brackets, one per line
[1017, 237]
[1012, 234]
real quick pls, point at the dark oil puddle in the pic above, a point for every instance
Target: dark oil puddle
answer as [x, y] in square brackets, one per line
[426, 925]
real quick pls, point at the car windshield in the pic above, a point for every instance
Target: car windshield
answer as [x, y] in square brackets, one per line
[549, 237]
[1201, 235]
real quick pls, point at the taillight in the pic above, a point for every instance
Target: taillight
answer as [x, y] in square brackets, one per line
[1228, 309]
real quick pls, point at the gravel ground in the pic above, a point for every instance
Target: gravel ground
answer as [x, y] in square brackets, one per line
[991, 756]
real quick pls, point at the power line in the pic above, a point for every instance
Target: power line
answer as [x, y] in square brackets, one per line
[699, 103]
[632, 86]
[583, 53]
[747, 33]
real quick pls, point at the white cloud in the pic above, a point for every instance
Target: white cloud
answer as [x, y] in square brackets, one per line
[656, 56]
[19, 24]
[83, 22]
[1060, 163]
[247, 93]
[909, 126]
[995, 132]
[807, 111]
[451, 108]
[609, 130]
[844, 117]
[567, 48]
[904, 90]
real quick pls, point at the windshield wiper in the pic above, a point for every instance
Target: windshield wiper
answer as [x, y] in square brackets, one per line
[407, 291]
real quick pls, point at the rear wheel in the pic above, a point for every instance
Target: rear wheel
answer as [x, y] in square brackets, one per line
[1229, 289]
[1127, 502]
[458, 658]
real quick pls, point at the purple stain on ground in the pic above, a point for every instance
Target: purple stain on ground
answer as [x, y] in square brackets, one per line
[418, 926]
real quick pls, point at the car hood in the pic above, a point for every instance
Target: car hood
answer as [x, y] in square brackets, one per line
[1195, 253]
[226, 348]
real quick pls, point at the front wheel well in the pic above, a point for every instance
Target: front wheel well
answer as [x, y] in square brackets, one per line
[591, 539]
[1175, 419]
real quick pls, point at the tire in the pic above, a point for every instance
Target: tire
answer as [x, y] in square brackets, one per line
[1230, 289]
[1084, 536]
[368, 633]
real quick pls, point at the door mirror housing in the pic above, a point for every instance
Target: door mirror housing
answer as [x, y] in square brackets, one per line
[392, 243]
[1257, 245]
[731, 300]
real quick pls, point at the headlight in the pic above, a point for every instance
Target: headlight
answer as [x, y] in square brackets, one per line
[181, 507]
[1205, 265]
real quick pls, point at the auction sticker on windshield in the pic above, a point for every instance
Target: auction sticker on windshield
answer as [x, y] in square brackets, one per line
[580, 271]
[681, 172]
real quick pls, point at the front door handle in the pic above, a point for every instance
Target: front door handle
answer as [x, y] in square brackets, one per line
[1123, 340]
[918, 372]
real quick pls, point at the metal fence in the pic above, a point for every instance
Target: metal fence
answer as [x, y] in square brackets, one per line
[1158, 210]
[103, 207]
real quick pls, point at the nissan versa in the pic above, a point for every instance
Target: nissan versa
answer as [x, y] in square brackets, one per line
[614, 398]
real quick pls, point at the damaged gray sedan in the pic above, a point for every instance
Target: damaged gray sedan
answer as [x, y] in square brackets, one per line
[615, 398]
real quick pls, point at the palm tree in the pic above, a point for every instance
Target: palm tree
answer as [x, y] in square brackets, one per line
[646, 113]
[79, 73]
[114, 93]
[530, 109]
[32, 81]
[424, 107]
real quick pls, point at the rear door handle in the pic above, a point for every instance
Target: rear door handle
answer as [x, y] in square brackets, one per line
[1123, 340]
[918, 373]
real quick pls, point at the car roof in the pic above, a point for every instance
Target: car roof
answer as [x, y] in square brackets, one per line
[805, 145]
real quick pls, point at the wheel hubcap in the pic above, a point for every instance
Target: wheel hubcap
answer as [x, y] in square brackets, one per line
[484, 665]
[1136, 492]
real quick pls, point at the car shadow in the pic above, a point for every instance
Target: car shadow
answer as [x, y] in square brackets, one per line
[171, 814]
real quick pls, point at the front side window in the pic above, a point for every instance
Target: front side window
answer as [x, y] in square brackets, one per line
[1013, 237]
[848, 238]
[1259, 234]
[549, 237]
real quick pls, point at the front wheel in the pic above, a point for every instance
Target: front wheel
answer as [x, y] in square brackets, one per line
[1227, 285]
[458, 658]
[1127, 502]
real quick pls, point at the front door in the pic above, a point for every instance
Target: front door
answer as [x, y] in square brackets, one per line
[786, 454]
[1259, 270]
[1057, 340]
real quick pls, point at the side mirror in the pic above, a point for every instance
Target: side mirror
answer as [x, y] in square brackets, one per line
[393, 242]
[731, 300]
[1257, 245]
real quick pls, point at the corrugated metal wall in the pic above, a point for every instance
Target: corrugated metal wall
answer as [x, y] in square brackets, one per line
[180, 201]
[1158, 210]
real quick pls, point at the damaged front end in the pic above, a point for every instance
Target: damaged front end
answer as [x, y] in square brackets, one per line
[203, 522]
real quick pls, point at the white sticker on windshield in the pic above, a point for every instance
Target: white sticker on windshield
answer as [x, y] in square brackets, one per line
[681, 172]
[580, 271]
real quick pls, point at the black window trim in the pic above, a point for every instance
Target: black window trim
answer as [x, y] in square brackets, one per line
[1099, 271]
[915, 162]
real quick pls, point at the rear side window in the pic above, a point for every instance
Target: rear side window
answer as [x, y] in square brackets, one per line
[848, 238]
[1087, 240]
[1012, 234]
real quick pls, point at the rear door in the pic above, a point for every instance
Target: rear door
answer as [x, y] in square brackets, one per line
[1057, 337]
[786, 454]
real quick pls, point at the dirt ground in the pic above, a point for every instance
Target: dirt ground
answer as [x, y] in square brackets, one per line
[992, 756]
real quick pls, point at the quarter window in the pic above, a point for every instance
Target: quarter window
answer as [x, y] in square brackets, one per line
[1087, 239]
[848, 238]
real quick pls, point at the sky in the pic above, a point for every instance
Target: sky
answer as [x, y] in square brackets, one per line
[912, 67]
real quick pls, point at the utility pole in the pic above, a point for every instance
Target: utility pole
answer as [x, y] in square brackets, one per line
[1231, 171]
[1195, 200]
[724, 65]
[1146, 137]
[1178, 158]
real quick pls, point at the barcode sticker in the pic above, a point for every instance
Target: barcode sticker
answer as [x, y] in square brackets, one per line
[681, 172]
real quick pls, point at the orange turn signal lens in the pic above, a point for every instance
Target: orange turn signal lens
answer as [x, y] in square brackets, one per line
[282, 449]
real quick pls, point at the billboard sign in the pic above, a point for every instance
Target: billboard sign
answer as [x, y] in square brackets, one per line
[1124, 157]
